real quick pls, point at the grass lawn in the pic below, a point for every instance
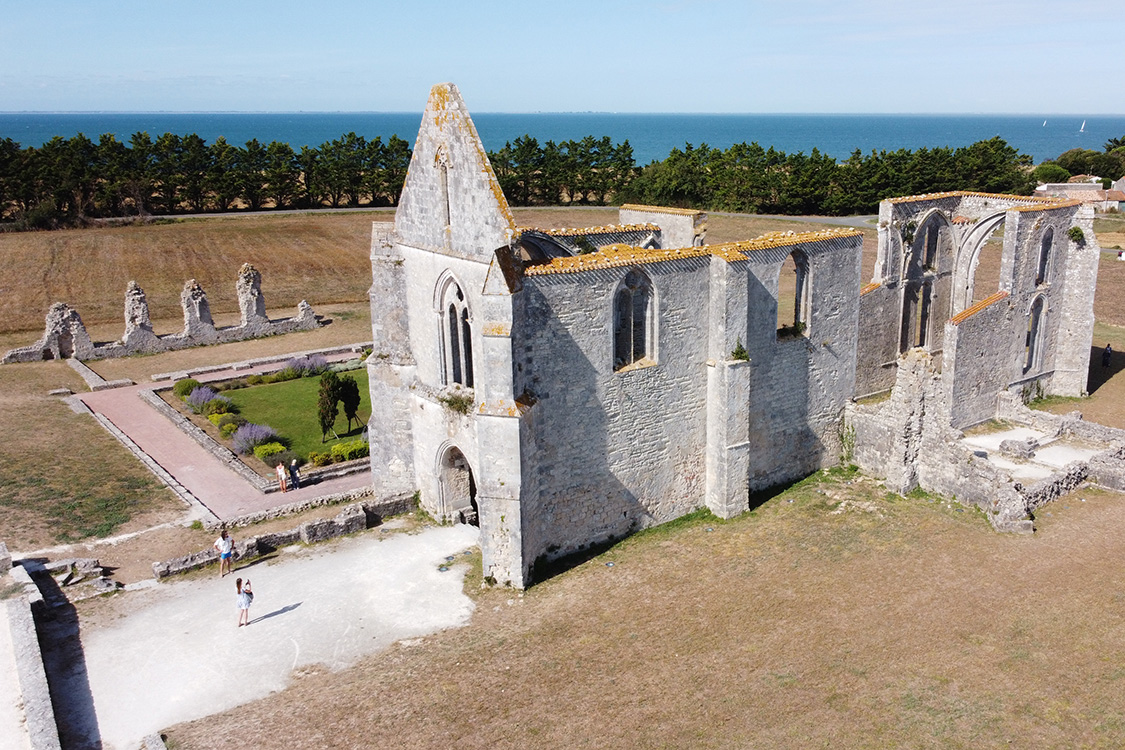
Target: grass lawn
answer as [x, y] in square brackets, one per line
[290, 409]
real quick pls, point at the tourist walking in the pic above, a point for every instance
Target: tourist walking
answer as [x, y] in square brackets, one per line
[245, 599]
[1106, 354]
[295, 475]
[225, 546]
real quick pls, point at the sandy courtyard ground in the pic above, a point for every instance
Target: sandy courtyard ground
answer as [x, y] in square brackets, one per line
[181, 655]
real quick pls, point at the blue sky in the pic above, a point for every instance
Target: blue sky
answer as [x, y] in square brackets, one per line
[972, 56]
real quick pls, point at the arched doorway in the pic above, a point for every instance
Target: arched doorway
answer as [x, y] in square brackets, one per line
[458, 488]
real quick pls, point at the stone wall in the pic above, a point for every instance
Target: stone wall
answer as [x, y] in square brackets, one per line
[352, 518]
[612, 451]
[24, 678]
[65, 335]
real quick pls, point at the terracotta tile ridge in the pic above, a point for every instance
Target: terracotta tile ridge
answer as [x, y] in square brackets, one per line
[661, 209]
[617, 255]
[869, 287]
[579, 231]
[968, 312]
[1041, 200]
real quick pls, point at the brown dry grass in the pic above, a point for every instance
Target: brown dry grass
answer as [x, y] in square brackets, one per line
[319, 257]
[61, 474]
[899, 623]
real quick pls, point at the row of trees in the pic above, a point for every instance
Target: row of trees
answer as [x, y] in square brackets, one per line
[67, 180]
[591, 171]
[752, 179]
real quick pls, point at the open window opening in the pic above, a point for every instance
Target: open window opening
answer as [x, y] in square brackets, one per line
[1032, 344]
[793, 296]
[633, 322]
[1044, 256]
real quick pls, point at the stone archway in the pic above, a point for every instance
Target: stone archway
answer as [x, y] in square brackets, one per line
[458, 488]
[968, 257]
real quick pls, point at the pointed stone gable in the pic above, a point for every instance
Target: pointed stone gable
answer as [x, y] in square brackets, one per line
[451, 202]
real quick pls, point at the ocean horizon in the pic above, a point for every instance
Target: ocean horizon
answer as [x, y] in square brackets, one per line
[652, 135]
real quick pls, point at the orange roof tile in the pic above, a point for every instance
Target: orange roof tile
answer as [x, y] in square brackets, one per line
[870, 287]
[614, 256]
[661, 209]
[968, 312]
[1031, 202]
[607, 229]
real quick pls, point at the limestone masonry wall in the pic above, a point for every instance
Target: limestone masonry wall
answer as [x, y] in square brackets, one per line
[65, 336]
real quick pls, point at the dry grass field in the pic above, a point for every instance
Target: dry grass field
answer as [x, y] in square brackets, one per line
[835, 615]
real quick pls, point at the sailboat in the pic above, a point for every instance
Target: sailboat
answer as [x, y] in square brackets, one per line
[1083, 128]
[1044, 123]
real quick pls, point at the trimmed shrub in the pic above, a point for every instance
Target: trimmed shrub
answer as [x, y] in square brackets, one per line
[347, 365]
[199, 397]
[214, 419]
[265, 451]
[286, 373]
[184, 387]
[227, 430]
[222, 420]
[249, 436]
[320, 459]
[255, 379]
[232, 385]
[219, 405]
[350, 450]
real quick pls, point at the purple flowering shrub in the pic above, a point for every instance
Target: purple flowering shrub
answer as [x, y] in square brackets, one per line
[250, 435]
[199, 397]
[307, 366]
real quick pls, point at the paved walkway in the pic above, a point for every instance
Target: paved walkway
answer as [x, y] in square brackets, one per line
[180, 655]
[204, 476]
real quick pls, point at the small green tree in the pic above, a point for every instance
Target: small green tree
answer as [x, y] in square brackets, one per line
[349, 397]
[327, 403]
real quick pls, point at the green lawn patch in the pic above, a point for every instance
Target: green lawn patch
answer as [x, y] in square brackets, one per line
[290, 409]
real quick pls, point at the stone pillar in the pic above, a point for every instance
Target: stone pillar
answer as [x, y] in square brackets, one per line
[64, 336]
[250, 299]
[198, 324]
[139, 335]
[728, 437]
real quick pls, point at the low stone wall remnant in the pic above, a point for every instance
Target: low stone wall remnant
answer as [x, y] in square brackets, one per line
[65, 336]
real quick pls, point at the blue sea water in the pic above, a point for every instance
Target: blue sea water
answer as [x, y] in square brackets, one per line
[651, 135]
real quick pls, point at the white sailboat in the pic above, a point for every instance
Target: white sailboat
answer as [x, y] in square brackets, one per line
[1083, 128]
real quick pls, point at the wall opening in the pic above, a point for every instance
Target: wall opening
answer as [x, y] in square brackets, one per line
[633, 321]
[458, 488]
[793, 299]
[1044, 256]
[1033, 342]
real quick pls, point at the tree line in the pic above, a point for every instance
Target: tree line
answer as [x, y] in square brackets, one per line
[67, 181]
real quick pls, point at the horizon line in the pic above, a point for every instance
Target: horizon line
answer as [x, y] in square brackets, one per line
[544, 112]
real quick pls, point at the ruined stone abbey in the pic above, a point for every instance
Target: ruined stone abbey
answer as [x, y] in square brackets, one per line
[563, 388]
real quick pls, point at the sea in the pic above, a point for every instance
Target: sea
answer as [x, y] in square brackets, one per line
[652, 136]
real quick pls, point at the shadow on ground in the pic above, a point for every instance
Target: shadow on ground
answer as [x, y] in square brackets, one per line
[64, 661]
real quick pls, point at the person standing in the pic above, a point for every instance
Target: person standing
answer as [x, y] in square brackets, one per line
[295, 475]
[245, 599]
[1107, 353]
[225, 546]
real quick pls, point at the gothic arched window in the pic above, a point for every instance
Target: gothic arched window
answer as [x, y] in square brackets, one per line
[633, 321]
[457, 339]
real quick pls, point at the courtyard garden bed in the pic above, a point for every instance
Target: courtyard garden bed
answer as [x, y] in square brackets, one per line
[266, 422]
